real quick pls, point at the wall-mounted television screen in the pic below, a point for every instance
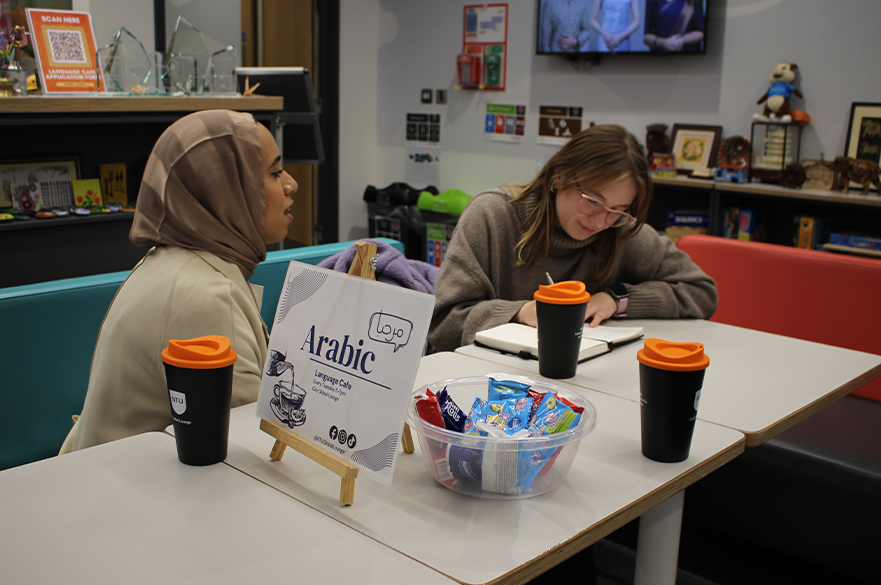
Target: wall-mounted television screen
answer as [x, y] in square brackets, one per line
[598, 27]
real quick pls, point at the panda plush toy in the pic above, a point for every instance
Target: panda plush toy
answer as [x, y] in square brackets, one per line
[776, 99]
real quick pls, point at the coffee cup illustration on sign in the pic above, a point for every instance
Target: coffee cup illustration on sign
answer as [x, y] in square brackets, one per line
[287, 404]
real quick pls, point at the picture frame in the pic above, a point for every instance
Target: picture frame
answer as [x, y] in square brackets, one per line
[20, 172]
[694, 146]
[864, 134]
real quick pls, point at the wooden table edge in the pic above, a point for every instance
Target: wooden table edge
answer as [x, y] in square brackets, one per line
[756, 438]
[553, 557]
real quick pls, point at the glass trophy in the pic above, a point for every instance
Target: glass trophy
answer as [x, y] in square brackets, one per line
[127, 67]
[186, 60]
[221, 76]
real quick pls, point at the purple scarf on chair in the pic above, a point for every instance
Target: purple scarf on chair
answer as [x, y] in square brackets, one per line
[391, 267]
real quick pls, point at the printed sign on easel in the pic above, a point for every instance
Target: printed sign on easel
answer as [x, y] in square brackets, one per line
[342, 360]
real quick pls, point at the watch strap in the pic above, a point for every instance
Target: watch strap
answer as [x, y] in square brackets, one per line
[622, 307]
[621, 297]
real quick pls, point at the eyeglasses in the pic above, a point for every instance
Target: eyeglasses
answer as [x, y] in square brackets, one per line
[614, 218]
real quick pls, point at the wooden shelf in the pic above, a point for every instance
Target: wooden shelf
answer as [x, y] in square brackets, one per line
[95, 130]
[854, 211]
[105, 104]
[851, 250]
[852, 198]
[812, 194]
[684, 181]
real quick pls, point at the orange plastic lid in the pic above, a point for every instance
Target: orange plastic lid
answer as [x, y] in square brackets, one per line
[199, 353]
[567, 292]
[668, 355]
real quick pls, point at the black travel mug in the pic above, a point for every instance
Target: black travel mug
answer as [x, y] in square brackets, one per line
[199, 373]
[560, 310]
[671, 376]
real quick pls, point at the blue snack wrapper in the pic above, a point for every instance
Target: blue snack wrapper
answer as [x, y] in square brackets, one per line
[506, 389]
[454, 418]
[470, 427]
[465, 464]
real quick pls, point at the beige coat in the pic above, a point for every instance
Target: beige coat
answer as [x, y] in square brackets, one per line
[173, 293]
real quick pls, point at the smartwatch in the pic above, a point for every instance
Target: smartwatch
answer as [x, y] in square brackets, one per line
[619, 293]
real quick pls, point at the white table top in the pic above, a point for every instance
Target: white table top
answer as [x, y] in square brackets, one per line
[130, 512]
[757, 383]
[475, 540]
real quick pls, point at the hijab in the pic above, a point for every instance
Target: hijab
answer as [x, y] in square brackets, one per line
[203, 189]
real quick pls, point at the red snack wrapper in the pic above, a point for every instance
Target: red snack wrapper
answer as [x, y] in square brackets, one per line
[429, 410]
[575, 409]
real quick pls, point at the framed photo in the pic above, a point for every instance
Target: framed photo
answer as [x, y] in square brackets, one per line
[864, 134]
[695, 146]
[52, 178]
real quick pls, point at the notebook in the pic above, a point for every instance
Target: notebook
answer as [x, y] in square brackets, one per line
[522, 340]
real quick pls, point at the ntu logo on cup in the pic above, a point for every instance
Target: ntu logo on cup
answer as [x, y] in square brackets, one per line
[386, 328]
[178, 401]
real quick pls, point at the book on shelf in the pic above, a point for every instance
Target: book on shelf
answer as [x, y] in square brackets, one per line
[732, 221]
[684, 223]
[689, 218]
[856, 241]
[813, 232]
[522, 340]
[860, 245]
[752, 225]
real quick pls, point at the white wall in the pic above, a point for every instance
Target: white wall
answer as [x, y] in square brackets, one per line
[391, 49]
[219, 20]
[109, 15]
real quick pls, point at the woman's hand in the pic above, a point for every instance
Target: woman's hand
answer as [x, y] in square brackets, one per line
[567, 42]
[600, 307]
[673, 44]
[612, 41]
[526, 314]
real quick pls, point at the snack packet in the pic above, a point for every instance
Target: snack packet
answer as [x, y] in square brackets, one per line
[470, 426]
[454, 418]
[553, 415]
[466, 464]
[429, 410]
[505, 389]
[515, 414]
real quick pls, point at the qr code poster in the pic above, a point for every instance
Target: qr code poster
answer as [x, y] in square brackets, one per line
[64, 46]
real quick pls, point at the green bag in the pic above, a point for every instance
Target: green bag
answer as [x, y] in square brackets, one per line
[451, 201]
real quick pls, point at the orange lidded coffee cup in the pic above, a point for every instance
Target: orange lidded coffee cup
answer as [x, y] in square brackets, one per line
[560, 310]
[671, 376]
[199, 374]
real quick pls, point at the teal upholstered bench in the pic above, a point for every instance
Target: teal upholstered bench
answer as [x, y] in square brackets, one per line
[47, 337]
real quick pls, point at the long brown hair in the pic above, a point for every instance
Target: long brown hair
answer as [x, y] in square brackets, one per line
[594, 159]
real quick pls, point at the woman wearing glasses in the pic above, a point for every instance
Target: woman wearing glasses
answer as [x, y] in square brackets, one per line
[582, 218]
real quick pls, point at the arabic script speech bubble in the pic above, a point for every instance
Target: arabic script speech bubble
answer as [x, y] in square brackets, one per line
[386, 328]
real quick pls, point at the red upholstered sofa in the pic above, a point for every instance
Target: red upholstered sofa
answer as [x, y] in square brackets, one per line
[808, 294]
[813, 493]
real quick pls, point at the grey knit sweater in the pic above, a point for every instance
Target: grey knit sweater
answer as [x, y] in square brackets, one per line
[480, 285]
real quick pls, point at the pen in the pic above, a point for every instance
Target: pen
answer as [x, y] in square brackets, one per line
[550, 280]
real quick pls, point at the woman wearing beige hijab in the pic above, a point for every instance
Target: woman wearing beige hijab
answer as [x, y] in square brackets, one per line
[213, 196]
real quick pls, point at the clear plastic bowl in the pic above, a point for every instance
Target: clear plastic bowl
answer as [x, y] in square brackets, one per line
[491, 467]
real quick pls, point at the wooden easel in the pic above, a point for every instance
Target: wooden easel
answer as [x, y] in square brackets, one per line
[284, 438]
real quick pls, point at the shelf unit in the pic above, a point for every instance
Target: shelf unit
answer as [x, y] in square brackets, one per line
[95, 130]
[855, 212]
